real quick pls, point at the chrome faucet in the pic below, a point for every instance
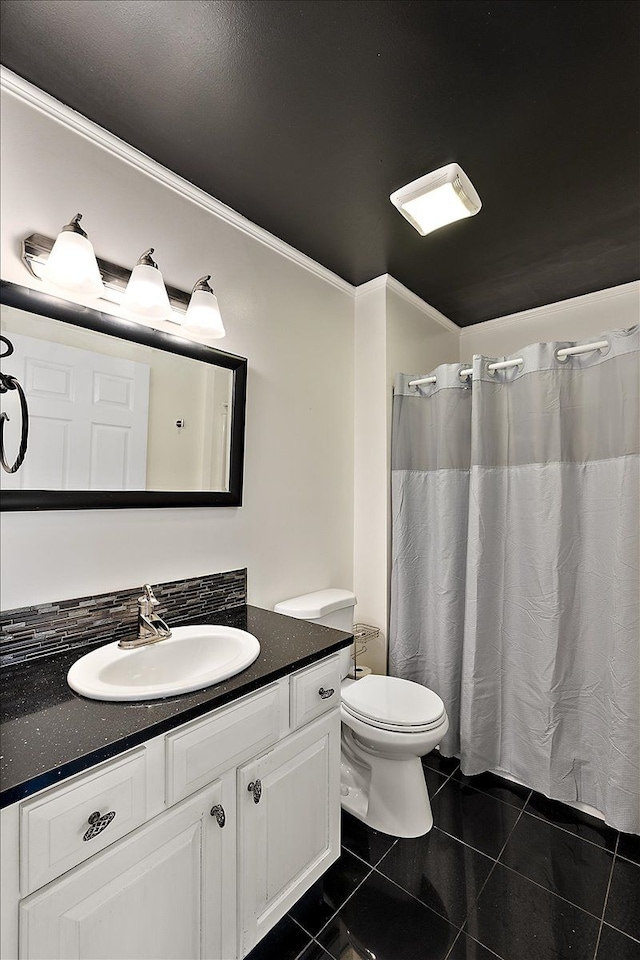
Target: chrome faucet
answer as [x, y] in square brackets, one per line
[151, 627]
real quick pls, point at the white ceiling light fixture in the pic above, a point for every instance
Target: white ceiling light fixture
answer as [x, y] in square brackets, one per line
[439, 198]
[72, 262]
[146, 295]
[203, 313]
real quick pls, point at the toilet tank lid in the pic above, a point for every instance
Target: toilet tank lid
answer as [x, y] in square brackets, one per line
[312, 606]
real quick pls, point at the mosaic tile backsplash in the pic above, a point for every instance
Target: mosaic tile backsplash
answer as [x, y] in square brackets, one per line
[39, 631]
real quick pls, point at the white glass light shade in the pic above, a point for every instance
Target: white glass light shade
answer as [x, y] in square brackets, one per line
[439, 198]
[72, 265]
[203, 315]
[146, 295]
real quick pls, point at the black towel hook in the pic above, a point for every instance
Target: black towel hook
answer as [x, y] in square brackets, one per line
[10, 383]
[9, 349]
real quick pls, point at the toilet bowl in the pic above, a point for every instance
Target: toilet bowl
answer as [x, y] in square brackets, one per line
[387, 725]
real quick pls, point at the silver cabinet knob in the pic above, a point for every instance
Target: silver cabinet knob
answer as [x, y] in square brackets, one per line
[255, 787]
[217, 811]
[98, 823]
[325, 694]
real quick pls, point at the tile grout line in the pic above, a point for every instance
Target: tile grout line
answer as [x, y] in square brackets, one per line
[366, 862]
[445, 780]
[519, 818]
[417, 899]
[356, 855]
[311, 940]
[488, 877]
[380, 859]
[307, 945]
[465, 844]
[570, 832]
[461, 933]
[618, 856]
[554, 894]
[453, 943]
[325, 952]
[336, 912]
[621, 856]
[606, 897]
[627, 936]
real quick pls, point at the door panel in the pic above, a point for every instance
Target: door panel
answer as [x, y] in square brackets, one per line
[291, 836]
[103, 404]
[109, 457]
[296, 817]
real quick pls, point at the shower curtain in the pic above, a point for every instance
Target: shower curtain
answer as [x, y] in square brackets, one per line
[430, 459]
[515, 575]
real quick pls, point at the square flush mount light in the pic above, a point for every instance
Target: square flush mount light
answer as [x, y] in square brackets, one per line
[437, 199]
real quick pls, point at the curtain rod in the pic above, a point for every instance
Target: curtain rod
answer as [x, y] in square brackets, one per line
[561, 355]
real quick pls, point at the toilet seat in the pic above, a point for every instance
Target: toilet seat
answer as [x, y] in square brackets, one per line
[389, 703]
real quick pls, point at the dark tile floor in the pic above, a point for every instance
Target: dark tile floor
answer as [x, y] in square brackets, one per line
[504, 873]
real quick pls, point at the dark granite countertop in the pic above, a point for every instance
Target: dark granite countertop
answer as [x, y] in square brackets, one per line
[48, 732]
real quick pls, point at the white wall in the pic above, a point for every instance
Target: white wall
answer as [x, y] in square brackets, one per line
[396, 332]
[295, 529]
[581, 318]
[370, 464]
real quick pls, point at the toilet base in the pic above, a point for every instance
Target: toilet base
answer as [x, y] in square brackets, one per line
[389, 795]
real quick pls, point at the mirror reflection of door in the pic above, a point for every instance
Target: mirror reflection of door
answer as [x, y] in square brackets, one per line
[88, 418]
[112, 414]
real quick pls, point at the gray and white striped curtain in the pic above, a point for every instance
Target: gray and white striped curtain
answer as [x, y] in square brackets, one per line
[515, 571]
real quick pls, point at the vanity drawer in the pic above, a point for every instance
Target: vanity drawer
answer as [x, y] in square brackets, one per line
[200, 751]
[55, 832]
[314, 691]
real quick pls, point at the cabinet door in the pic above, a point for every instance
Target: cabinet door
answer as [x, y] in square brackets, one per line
[289, 826]
[165, 892]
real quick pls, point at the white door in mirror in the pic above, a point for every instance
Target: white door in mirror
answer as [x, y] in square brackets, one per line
[190, 659]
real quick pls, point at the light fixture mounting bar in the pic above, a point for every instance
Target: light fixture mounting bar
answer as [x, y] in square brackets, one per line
[37, 247]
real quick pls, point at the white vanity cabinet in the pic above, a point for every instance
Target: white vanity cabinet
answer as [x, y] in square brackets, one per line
[289, 824]
[218, 827]
[165, 893]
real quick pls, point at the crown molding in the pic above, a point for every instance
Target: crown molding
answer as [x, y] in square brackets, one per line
[548, 309]
[378, 283]
[387, 282]
[399, 288]
[77, 123]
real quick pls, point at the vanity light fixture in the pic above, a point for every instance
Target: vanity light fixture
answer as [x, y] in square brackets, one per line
[72, 262]
[203, 313]
[171, 303]
[146, 295]
[439, 198]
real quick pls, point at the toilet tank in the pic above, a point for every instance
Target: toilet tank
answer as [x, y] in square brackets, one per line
[331, 608]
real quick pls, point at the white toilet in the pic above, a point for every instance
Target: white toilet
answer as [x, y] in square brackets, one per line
[387, 725]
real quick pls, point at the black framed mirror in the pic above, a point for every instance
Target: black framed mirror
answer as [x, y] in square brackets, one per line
[120, 414]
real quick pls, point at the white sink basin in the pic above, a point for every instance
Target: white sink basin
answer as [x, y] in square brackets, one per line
[190, 659]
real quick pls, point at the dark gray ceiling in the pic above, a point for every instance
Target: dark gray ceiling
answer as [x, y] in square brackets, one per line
[304, 116]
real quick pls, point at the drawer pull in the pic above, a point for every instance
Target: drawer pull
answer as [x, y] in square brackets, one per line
[98, 824]
[325, 694]
[255, 787]
[218, 812]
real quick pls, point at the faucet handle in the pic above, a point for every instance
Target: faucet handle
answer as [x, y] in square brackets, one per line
[148, 596]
